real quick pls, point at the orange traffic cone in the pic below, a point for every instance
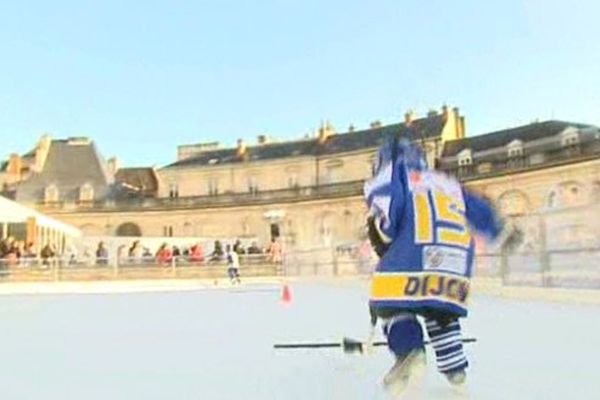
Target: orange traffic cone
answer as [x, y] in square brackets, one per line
[286, 294]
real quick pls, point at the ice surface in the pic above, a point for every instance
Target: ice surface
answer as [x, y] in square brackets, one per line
[217, 344]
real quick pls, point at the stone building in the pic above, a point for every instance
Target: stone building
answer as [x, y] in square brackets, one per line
[309, 191]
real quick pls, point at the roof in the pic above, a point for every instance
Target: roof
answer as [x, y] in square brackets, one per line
[525, 133]
[142, 179]
[68, 166]
[427, 127]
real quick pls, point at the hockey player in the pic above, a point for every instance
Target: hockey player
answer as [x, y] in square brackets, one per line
[233, 265]
[420, 224]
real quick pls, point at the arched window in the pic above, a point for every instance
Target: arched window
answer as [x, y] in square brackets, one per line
[513, 203]
[129, 229]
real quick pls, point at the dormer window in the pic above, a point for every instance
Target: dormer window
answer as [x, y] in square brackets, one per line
[465, 162]
[51, 194]
[465, 158]
[569, 138]
[86, 193]
[515, 148]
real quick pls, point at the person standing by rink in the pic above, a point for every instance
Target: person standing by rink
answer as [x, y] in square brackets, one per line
[420, 223]
[233, 265]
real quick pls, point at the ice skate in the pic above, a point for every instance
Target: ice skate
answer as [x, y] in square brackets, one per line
[406, 369]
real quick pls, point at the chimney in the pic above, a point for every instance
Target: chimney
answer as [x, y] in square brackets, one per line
[325, 131]
[263, 139]
[463, 129]
[445, 112]
[41, 152]
[409, 117]
[375, 124]
[113, 165]
[351, 128]
[241, 148]
[14, 168]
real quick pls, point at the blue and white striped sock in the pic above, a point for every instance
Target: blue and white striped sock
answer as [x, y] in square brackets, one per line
[447, 344]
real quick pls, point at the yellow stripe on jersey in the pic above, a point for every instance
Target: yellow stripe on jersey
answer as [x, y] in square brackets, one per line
[420, 286]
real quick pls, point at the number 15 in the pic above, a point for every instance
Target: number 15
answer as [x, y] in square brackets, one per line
[445, 209]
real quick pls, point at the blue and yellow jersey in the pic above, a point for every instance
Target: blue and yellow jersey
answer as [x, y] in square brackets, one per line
[428, 220]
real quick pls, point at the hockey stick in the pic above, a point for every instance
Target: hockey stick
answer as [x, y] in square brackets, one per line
[348, 345]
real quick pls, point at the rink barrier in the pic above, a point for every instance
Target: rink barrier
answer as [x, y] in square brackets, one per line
[577, 268]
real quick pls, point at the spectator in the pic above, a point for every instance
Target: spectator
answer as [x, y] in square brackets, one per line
[217, 253]
[12, 257]
[47, 254]
[5, 246]
[101, 254]
[238, 248]
[136, 253]
[254, 249]
[176, 252]
[164, 254]
[274, 251]
[29, 255]
[196, 254]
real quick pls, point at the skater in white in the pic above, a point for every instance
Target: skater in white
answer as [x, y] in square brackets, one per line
[233, 265]
[420, 224]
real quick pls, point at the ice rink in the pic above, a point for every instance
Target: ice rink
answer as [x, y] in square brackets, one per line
[217, 344]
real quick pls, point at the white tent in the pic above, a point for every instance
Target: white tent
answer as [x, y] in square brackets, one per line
[12, 212]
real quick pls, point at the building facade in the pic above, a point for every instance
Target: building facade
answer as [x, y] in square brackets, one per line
[309, 192]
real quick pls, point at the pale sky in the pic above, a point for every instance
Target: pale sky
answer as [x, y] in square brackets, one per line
[142, 77]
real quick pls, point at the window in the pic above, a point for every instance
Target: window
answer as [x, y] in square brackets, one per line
[333, 171]
[253, 184]
[51, 194]
[465, 162]
[465, 158]
[293, 180]
[168, 231]
[86, 193]
[516, 152]
[552, 199]
[173, 190]
[570, 142]
[571, 139]
[515, 148]
[213, 187]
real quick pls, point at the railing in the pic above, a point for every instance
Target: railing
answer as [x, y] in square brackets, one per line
[108, 268]
[342, 189]
[314, 262]
[502, 165]
[566, 268]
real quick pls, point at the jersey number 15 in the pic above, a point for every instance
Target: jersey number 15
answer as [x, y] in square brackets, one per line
[445, 209]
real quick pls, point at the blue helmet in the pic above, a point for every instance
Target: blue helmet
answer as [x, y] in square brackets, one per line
[400, 150]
